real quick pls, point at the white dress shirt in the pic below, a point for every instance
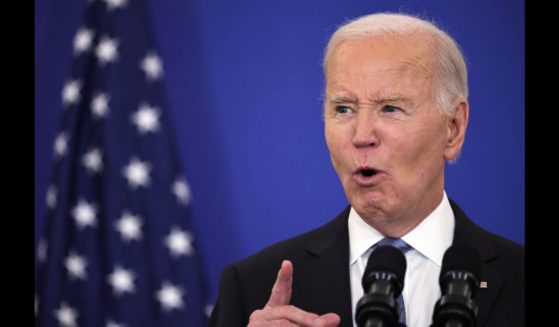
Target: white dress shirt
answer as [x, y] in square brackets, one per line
[429, 241]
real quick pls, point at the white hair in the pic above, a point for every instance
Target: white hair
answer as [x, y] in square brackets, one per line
[451, 80]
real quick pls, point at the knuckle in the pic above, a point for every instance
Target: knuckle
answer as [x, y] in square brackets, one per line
[256, 315]
[285, 323]
[289, 309]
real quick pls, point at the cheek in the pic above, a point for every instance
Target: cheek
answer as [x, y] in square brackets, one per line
[331, 138]
[419, 157]
[337, 144]
[338, 147]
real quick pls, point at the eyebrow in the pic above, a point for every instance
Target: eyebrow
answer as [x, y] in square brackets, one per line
[347, 99]
[391, 100]
[341, 99]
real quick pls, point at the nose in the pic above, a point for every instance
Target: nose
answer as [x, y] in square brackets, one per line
[365, 130]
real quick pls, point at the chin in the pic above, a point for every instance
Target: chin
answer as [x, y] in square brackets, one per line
[370, 205]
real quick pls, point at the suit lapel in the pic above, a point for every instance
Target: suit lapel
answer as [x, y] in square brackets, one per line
[326, 276]
[468, 234]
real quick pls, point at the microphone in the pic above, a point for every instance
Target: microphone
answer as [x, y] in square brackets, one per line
[459, 282]
[382, 282]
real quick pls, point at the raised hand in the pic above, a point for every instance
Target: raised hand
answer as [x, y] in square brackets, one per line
[278, 311]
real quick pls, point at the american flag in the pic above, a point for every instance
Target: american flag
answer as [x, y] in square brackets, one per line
[117, 249]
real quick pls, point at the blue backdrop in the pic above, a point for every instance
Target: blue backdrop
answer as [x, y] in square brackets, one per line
[244, 83]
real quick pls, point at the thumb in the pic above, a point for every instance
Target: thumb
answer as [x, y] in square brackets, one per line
[281, 292]
[328, 320]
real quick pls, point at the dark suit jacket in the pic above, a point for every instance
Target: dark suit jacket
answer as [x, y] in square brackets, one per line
[321, 275]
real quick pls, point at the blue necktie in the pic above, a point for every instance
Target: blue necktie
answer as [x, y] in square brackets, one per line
[404, 247]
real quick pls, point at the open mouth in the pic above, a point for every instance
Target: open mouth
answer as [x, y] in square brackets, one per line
[367, 176]
[367, 172]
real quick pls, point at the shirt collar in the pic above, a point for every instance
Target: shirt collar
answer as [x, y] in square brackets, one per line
[431, 237]
[361, 236]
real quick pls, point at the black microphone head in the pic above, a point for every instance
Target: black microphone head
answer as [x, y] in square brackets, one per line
[459, 281]
[463, 258]
[385, 259]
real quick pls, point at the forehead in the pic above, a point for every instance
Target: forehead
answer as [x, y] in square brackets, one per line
[410, 54]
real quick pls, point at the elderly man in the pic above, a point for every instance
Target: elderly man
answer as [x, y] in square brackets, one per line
[395, 111]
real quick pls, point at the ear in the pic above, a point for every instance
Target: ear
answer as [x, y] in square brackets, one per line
[456, 129]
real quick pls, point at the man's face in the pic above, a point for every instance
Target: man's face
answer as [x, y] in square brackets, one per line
[387, 140]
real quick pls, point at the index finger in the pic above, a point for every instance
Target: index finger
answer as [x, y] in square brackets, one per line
[281, 292]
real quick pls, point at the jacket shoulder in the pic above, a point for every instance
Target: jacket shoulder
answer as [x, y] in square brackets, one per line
[297, 249]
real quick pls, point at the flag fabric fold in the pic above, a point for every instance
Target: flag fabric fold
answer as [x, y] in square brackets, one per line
[118, 247]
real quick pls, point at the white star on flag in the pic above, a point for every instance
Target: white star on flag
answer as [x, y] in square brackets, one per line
[146, 119]
[85, 214]
[137, 173]
[182, 191]
[151, 65]
[129, 227]
[122, 280]
[42, 248]
[52, 194]
[179, 242]
[100, 105]
[170, 297]
[61, 144]
[71, 92]
[111, 323]
[106, 50]
[66, 315]
[208, 308]
[115, 4]
[75, 265]
[92, 160]
[82, 40]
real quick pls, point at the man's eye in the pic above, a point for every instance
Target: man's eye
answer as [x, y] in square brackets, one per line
[343, 110]
[390, 109]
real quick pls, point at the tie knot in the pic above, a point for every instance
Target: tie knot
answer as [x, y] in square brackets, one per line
[395, 242]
